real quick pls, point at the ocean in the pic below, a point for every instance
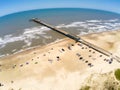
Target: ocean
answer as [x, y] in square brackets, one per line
[18, 33]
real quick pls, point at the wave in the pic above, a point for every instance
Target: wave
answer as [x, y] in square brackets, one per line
[88, 26]
[94, 25]
[26, 36]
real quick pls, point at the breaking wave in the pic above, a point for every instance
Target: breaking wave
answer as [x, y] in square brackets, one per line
[26, 36]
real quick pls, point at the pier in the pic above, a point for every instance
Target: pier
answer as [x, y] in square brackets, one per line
[78, 39]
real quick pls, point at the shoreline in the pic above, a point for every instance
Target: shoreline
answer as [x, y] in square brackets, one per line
[57, 41]
[30, 48]
[59, 64]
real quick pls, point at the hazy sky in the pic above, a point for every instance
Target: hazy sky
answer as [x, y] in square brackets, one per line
[12, 6]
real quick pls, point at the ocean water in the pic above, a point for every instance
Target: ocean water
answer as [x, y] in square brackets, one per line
[18, 33]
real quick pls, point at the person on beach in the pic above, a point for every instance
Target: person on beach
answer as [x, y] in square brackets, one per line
[58, 58]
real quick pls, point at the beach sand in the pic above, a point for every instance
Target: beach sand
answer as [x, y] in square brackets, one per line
[61, 65]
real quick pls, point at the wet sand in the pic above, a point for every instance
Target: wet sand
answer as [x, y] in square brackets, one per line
[62, 65]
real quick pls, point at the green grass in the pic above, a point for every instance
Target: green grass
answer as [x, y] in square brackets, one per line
[119, 88]
[117, 74]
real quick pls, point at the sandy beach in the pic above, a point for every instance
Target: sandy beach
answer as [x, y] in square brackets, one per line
[61, 65]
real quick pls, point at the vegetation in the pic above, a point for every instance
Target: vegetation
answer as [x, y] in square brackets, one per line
[117, 74]
[119, 88]
[85, 88]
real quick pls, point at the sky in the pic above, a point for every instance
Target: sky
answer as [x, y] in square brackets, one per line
[12, 6]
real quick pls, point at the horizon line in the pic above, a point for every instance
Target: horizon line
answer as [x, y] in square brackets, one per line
[58, 8]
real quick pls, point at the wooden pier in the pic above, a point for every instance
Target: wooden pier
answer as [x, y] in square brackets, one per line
[78, 39]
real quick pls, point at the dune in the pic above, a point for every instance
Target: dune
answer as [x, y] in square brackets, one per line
[62, 65]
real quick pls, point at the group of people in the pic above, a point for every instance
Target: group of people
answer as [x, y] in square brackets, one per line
[82, 59]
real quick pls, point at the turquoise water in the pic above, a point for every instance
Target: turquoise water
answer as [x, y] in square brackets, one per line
[17, 32]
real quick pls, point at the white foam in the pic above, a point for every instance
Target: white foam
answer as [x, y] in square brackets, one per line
[94, 21]
[1, 55]
[97, 25]
[35, 30]
[27, 36]
[113, 20]
[94, 25]
[14, 50]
